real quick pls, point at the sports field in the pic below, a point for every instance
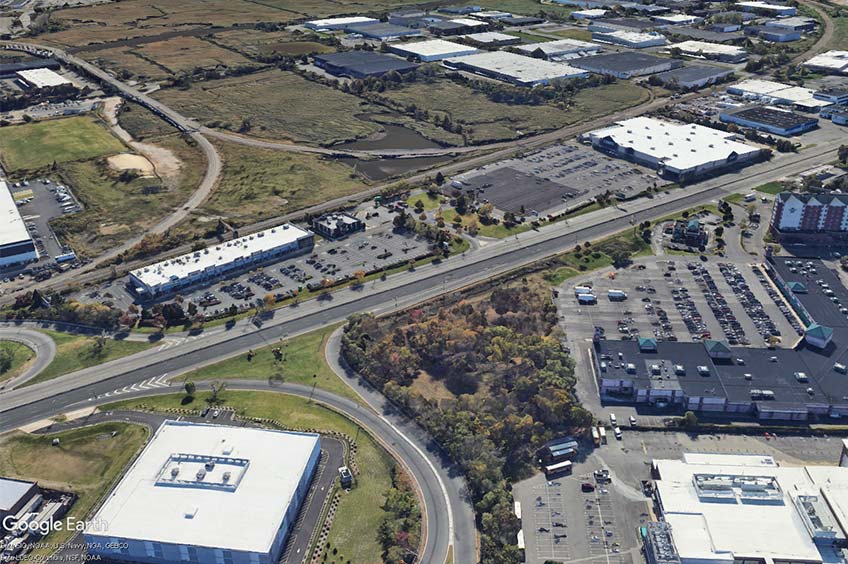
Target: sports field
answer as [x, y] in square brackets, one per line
[35, 145]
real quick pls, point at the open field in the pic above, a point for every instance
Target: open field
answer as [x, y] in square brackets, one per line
[484, 120]
[599, 255]
[258, 43]
[35, 145]
[141, 123]
[526, 7]
[261, 183]
[840, 33]
[75, 352]
[354, 529]
[125, 62]
[579, 34]
[303, 362]
[274, 104]
[18, 355]
[183, 54]
[113, 209]
[771, 188]
[87, 462]
[498, 231]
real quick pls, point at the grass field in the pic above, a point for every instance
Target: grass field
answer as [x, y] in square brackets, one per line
[260, 183]
[599, 255]
[124, 59]
[21, 356]
[75, 352]
[141, 123]
[277, 104]
[579, 34]
[498, 231]
[771, 188]
[254, 43]
[359, 515]
[484, 120]
[303, 363]
[35, 145]
[430, 202]
[184, 54]
[115, 210]
[86, 462]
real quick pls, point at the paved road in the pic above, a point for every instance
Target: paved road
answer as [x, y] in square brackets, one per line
[44, 347]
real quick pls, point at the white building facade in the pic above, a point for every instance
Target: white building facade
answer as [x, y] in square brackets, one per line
[16, 246]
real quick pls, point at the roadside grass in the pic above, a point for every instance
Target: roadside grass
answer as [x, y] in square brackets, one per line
[354, 528]
[274, 104]
[36, 145]
[771, 188]
[260, 183]
[529, 37]
[579, 34]
[734, 198]
[141, 123]
[75, 352]
[840, 34]
[115, 210]
[599, 255]
[498, 231]
[303, 362]
[20, 356]
[87, 461]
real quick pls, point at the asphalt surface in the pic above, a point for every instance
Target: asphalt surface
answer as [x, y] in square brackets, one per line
[44, 347]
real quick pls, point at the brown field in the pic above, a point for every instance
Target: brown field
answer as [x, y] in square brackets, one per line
[278, 105]
[124, 59]
[182, 54]
[254, 42]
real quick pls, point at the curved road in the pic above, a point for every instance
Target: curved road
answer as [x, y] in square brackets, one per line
[44, 347]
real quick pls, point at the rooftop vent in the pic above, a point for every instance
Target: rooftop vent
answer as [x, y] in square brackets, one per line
[175, 471]
[200, 474]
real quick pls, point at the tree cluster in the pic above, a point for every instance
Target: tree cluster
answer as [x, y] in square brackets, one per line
[511, 383]
[400, 531]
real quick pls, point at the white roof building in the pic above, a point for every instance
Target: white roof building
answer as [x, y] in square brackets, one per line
[511, 67]
[777, 93]
[759, 6]
[831, 61]
[202, 490]
[726, 507]
[719, 51]
[677, 19]
[16, 245]
[684, 150]
[42, 78]
[634, 39]
[469, 22]
[338, 23]
[211, 262]
[588, 14]
[432, 50]
[492, 38]
[562, 48]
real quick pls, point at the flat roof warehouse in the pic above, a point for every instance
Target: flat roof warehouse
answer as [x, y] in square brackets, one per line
[515, 68]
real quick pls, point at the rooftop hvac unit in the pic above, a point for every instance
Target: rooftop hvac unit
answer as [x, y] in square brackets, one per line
[210, 466]
[175, 471]
[200, 474]
[227, 476]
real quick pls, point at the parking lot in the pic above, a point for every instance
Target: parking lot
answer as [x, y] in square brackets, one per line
[375, 248]
[580, 516]
[40, 201]
[680, 299]
[559, 177]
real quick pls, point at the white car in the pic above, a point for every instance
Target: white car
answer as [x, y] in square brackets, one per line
[613, 419]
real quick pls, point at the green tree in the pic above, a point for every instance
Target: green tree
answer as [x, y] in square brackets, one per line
[190, 388]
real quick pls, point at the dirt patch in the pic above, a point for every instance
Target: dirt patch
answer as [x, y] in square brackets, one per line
[165, 162]
[112, 229]
[127, 161]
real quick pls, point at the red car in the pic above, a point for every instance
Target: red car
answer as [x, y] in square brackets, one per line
[587, 487]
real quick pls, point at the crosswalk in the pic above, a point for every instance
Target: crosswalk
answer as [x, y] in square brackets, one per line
[170, 343]
[149, 384]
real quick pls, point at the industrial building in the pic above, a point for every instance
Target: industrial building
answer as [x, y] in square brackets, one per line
[590, 14]
[796, 23]
[832, 95]
[42, 78]
[10, 70]
[713, 51]
[362, 64]
[459, 26]
[491, 39]
[679, 152]
[759, 7]
[626, 65]
[519, 21]
[207, 494]
[677, 19]
[608, 25]
[331, 24]
[560, 49]
[517, 69]
[773, 34]
[16, 245]
[693, 76]
[831, 61]
[432, 50]
[771, 120]
[15, 496]
[382, 31]
[725, 508]
[211, 263]
[710, 35]
[770, 92]
[804, 383]
[337, 225]
[632, 39]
